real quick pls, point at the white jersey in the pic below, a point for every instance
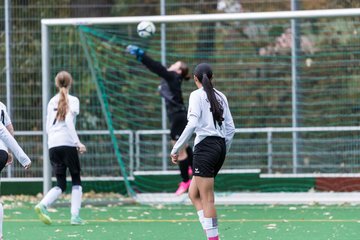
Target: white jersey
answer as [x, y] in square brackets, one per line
[62, 133]
[201, 121]
[5, 121]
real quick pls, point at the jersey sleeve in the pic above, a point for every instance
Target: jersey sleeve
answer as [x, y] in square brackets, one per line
[12, 144]
[69, 120]
[157, 68]
[76, 107]
[194, 114]
[229, 127]
[194, 105]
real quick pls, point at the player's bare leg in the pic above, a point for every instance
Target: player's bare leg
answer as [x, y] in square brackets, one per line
[194, 196]
[206, 189]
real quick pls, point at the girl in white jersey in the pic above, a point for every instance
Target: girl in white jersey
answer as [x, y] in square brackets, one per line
[210, 118]
[8, 142]
[64, 146]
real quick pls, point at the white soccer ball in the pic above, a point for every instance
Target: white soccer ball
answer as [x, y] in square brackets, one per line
[146, 29]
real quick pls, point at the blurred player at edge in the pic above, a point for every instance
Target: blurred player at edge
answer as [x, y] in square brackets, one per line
[64, 146]
[209, 116]
[7, 141]
[170, 90]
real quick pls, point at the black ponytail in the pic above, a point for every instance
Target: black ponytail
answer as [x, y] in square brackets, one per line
[204, 74]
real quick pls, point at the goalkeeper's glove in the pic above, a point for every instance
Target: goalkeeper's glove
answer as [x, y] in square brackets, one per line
[135, 50]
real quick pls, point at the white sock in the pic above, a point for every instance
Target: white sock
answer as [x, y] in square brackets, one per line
[200, 213]
[76, 195]
[51, 196]
[211, 227]
[1, 220]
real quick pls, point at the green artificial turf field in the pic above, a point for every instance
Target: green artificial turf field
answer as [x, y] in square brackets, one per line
[133, 222]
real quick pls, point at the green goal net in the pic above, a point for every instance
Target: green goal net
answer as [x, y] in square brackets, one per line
[252, 61]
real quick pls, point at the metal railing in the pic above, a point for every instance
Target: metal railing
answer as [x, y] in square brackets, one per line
[270, 152]
[136, 146]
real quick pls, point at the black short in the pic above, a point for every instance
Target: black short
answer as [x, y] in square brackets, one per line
[178, 123]
[3, 159]
[209, 156]
[64, 157]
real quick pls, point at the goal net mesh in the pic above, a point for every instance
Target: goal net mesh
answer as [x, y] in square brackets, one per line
[252, 65]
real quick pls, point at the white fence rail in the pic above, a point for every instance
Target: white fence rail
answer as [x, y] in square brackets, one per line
[136, 141]
[269, 142]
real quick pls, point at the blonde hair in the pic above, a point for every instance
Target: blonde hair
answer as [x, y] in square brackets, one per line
[63, 81]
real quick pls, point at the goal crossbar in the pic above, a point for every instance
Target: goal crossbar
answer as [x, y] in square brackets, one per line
[205, 17]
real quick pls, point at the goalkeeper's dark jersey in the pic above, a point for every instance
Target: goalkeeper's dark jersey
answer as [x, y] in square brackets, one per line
[170, 86]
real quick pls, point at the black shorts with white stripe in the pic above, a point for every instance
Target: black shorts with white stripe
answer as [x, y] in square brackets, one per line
[209, 156]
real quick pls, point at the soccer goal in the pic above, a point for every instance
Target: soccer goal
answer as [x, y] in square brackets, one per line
[291, 79]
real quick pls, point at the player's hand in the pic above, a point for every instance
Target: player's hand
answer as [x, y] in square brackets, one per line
[132, 49]
[27, 166]
[135, 50]
[10, 159]
[174, 158]
[81, 148]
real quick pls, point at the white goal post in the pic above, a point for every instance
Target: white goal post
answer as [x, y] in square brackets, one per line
[45, 47]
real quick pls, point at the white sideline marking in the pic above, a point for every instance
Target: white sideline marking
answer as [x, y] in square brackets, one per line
[311, 175]
[326, 198]
[170, 172]
[37, 179]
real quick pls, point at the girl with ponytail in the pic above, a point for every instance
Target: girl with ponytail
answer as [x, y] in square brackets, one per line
[210, 118]
[63, 82]
[64, 147]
